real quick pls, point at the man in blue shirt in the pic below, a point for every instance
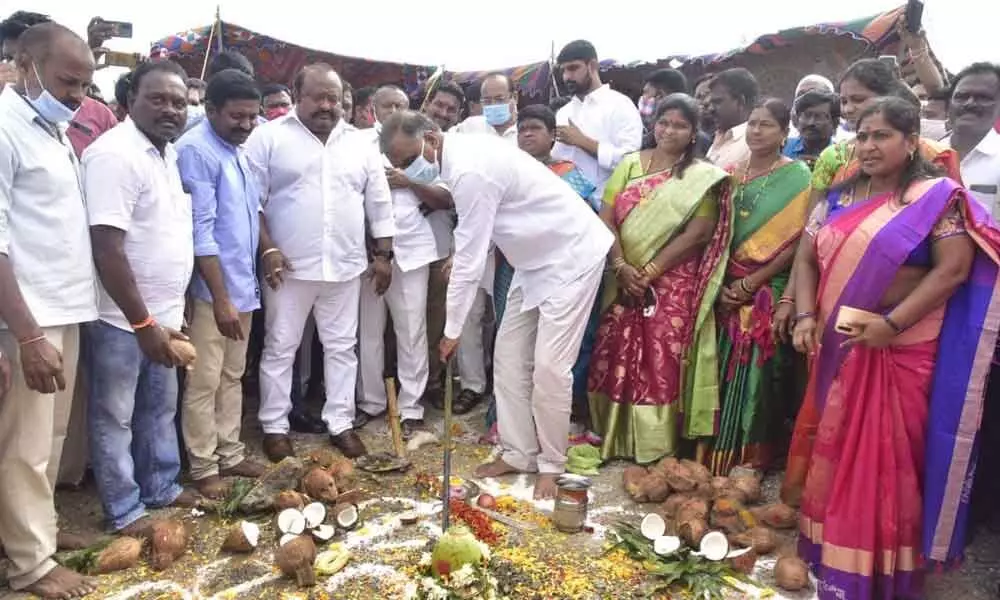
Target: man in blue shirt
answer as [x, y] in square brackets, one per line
[228, 231]
[817, 115]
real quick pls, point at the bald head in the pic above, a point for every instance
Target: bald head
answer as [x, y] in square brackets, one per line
[41, 41]
[387, 100]
[52, 58]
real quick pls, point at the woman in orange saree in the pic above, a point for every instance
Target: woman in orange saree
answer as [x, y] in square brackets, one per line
[896, 391]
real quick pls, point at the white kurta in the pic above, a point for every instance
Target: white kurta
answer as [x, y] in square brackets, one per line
[317, 198]
[558, 248]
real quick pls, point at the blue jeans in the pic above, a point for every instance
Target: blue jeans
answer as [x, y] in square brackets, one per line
[133, 441]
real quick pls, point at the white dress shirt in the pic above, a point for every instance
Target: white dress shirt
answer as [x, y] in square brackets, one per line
[608, 117]
[317, 196]
[131, 187]
[981, 172]
[506, 196]
[729, 147]
[478, 124]
[43, 219]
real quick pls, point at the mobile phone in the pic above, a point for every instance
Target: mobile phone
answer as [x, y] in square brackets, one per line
[119, 29]
[913, 16]
[849, 315]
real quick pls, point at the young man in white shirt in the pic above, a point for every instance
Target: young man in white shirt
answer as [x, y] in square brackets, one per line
[140, 227]
[598, 126]
[47, 290]
[321, 181]
[558, 248]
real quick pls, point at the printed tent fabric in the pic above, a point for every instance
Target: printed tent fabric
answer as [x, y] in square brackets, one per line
[533, 81]
[277, 61]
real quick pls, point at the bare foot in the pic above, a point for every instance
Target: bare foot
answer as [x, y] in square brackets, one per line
[71, 541]
[187, 499]
[545, 486]
[211, 487]
[138, 529]
[245, 468]
[495, 469]
[61, 583]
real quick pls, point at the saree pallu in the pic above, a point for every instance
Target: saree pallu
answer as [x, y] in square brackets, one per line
[886, 440]
[751, 414]
[654, 371]
[504, 274]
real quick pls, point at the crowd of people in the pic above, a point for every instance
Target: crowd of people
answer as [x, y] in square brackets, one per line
[703, 272]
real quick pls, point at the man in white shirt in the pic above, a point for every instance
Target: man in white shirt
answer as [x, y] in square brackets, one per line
[558, 248]
[140, 227]
[975, 102]
[499, 100]
[733, 94]
[321, 182]
[415, 248]
[46, 291]
[599, 125]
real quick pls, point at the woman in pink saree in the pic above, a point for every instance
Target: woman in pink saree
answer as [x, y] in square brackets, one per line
[887, 433]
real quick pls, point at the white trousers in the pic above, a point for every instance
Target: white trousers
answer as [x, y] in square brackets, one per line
[305, 356]
[406, 301]
[470, 355]
[335, 307]
[533, 373]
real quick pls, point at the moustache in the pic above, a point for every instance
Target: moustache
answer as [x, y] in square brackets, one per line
[168, 121]
[970, 110]
[324, 113]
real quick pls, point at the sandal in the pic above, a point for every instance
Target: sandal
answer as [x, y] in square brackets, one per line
[466, 401]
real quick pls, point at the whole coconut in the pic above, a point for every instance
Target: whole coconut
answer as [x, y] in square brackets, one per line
[764, 540]
[749, 487]
[791, 573]
[654, 488]
[453, 550]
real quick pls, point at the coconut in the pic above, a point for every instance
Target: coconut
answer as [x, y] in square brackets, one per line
[320, 484]
[698, 471]
[692, 531]
[652, 526]
[342, 470]
[243, 537]
[692, 508]
[290, 499]
[346, 515]
[743, 560]
[286, 538]
[791, 573]
[314, 515]
[714, 546]
[486, 501]
[654, 488]
[749, 486]
[295, 559]
[331, 561]
[727, 515]
[122, 553]
[323, 533]
[321, 457]
[290, 521]
[764, 541]
[454, 549]
[778, 516]
[631, 478]
[672, 503]
[169, 539]
[666, 545]
[666, 465]
[185, 352]
[681, 478]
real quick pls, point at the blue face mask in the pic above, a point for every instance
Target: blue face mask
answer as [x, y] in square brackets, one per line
[51, 109]
[422, 170]
[497, 114]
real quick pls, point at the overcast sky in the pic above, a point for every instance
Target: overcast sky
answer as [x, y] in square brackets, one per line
[471, 35]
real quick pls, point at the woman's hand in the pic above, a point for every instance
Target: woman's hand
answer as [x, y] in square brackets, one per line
[781, 322]
[804, 335]
[631, 280]
[874, 332]
[731, 297]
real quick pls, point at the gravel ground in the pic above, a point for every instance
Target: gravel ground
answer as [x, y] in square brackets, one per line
[201, 574]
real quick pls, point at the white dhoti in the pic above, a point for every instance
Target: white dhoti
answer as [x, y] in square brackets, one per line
[335, 308]
[533, 380]
[470, 354]
[406, 301]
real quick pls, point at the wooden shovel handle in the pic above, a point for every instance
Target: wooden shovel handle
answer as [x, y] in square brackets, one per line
[392, 414]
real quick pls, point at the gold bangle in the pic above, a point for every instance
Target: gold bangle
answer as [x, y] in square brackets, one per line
[31, 341]
[651, 269]
[269, 251]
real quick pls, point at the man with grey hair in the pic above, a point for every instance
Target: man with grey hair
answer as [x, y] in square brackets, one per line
[558, 248]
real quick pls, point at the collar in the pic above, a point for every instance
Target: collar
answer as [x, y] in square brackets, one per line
[210, 133]
[143, 142]
[990, 144]
[594, 96]
[338, 130]
[735, 133]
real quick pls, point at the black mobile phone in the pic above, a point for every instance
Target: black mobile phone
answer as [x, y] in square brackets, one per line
[913, 17]
[120, 29]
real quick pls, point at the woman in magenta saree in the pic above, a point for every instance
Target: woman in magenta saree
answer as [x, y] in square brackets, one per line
[888, 430]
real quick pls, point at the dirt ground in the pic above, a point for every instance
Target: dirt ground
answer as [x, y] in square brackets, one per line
[384, 552]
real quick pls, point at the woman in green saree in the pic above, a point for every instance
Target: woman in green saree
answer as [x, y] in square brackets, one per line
[654, 375]
[770, 202]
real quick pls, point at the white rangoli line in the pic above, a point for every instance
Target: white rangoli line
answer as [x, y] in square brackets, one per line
[153, 586]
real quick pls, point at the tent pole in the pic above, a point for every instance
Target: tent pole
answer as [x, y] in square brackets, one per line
[212, 33]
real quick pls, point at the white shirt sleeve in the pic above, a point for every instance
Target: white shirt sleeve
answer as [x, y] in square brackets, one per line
[378, 197]
[8, 166]
[626, 136]
[111, 187]
[477, 212]
[258, 150]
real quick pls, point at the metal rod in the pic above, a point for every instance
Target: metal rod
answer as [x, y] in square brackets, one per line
[446, 480]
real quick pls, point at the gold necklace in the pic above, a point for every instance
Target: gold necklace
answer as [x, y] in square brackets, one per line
[746, 209]
[645, 188]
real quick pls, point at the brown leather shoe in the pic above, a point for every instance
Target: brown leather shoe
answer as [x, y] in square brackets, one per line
[277, 447]
[245, 468]
[349, 444]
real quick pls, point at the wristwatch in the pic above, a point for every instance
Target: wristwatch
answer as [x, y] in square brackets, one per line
[386, 254]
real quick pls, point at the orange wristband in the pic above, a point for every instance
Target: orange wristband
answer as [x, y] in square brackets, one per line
[147, 322]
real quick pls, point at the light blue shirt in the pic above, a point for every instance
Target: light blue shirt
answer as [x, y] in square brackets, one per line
[225, 201]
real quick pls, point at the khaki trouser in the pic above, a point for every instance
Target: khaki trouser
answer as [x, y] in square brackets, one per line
[212, 413]
[32, 430]
[75, 451]
[437, 297]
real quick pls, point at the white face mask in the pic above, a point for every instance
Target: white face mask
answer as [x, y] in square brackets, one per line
[422, 170]
[48, 106]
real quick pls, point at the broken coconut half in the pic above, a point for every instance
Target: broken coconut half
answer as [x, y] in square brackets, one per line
[714, 546]
[314, 515]
[290, 521]
[409, 517]
[323, 532]
[287, 538]
[653, 526]
[666, 544]
[243, 537]
[346, 516]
